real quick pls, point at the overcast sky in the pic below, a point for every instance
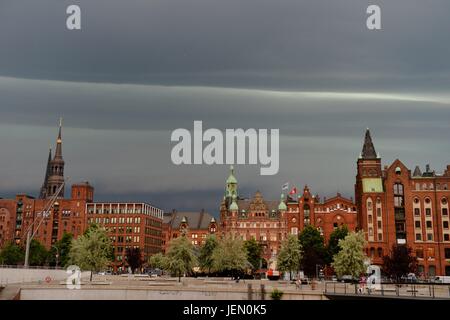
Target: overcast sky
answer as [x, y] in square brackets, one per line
[139, 69]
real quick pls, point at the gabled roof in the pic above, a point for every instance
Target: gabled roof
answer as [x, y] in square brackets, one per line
[195, 220]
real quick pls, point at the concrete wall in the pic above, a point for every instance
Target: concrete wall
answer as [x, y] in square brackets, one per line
[21, 275]
[30, 293]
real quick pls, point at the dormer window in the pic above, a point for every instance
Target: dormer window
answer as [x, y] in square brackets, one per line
[398, 171]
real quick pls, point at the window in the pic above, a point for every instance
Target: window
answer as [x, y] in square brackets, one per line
[432, 271]
[418, 237]
[417, 224]
[444, 201]
[446, 237]
[429, 225]
[380, 252]
[428, 211]
[445, 223]
[380, 237]
[370, 232]
[429, 236]
[416, 211]
[379, 212]
[419, 253]
[379, 225]
[444, 211]
[370, 218]
[447, 253]
[430, 253]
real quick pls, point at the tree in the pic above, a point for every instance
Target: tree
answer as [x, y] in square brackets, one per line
[158, 261]
[400, 262]
[333, 244]
[206, 253]
[230, 256]
[253, 251]
[62, 249]
[12, 254]
[290, 254]
[350, 260]
[314, 251]
[180, 257]
[38, 253]
[134, 258]
[91, 251]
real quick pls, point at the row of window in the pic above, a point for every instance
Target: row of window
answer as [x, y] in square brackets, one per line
[430, 186]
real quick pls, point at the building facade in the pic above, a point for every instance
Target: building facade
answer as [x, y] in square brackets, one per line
[52, 214]
[269, 222]
[196, 226]
[399, 207]
[129, 225]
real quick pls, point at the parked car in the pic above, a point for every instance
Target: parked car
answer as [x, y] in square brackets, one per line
[411, 278]
[348, 279]
[442, 279]
[155, 273]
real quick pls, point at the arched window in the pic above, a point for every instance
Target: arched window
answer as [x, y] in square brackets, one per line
[306, 212]
[380, 252]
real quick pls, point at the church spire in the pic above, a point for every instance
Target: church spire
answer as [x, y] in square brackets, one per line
[56, 170]
[43, 193]
[368, 151]
[58, 152]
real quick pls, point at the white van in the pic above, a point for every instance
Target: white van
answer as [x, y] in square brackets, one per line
[442, 279]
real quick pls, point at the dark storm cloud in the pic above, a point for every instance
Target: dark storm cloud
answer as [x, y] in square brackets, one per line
[140, 69]
[309, 45]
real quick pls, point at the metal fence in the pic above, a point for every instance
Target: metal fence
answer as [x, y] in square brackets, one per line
[401, 290]
[30, 267]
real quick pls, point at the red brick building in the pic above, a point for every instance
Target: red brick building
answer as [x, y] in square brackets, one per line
[396, 206]
[196, 226]
[269, 222]
[129, 224]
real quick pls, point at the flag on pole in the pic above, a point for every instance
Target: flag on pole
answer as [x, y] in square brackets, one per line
[285, 186]
[293, 191]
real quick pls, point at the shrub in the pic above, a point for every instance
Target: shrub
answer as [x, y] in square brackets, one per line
[276, 294]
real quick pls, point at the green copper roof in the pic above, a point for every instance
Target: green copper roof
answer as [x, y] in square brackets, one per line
[231, 179]
[372, 185]
[282, 206]
[233, 205]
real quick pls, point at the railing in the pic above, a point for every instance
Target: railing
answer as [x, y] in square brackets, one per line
[30, 267]
[400, 290]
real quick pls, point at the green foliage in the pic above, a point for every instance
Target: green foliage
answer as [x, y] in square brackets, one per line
[350, 259]
[92, 250]
[38, 254]
[314, 252]
[206, 253]
[333, 244]
[12, 254]
[290, 255]
[400, 262]
[230, 256]
[158, 261]
[63, 251]
[253, 251]
[276, 294]
[133, 256]
[180, 257]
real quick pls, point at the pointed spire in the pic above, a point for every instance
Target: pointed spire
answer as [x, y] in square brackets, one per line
[58, 152]
[43, 193]
[417, 172]
[368, 151]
